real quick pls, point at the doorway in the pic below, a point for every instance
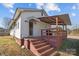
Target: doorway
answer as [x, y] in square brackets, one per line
[30, 28]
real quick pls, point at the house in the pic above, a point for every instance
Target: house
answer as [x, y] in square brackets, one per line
[4, 32]
[32, 29]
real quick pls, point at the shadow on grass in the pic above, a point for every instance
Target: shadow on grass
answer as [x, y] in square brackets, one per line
[70, 46]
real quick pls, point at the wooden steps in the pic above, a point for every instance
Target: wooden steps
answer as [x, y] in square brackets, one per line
[42, 47]
[38, 42]
[47, 52]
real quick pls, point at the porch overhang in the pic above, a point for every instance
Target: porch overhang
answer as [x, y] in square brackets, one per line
[62, 19]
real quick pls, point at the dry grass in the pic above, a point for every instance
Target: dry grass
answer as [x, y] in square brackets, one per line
[8, 47]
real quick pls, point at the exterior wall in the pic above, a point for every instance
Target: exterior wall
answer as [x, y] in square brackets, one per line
[23, 30]
[16, 31]
[25, 25]
[12, 32]
[37, 28]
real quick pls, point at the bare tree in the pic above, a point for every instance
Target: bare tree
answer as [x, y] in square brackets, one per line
[6, 22]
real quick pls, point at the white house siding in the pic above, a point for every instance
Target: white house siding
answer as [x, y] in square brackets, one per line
[24, 28]
[16, 31]
[11, 32]
[25, 25]
[37, 28]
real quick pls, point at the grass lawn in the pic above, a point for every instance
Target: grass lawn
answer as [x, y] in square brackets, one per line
[8, 47]
[71, 45]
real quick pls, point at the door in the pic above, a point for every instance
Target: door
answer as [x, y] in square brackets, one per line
[30, 28]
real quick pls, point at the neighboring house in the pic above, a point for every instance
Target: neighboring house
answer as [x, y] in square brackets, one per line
[33, 24]
[4, 32]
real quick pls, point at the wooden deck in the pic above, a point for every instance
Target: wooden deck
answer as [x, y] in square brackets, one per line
[53, 36]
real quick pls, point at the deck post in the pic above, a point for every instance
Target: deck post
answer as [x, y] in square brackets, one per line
[66, 27]
[56, 22]
[57, 37]
[66, 30]
[57, 25]
[63, 31]
[41, 33]
[63, 27]
[28, 42]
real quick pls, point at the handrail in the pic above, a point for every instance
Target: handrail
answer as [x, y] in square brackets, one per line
[44, 32]
[53, 36]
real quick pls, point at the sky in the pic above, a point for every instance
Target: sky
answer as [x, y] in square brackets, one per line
[7, 11]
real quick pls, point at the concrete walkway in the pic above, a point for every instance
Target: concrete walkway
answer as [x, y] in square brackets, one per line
[73, 37]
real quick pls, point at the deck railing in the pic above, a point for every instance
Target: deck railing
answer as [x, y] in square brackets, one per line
[53, 36]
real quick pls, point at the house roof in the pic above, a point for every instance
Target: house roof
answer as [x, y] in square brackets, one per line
[62, 19]
[20, 10]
